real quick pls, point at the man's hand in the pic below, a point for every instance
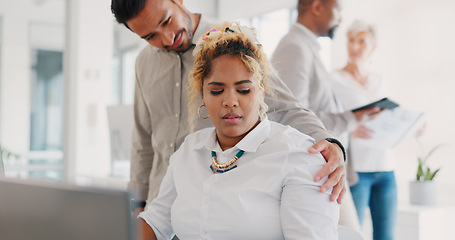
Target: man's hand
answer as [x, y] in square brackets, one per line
[334, 168]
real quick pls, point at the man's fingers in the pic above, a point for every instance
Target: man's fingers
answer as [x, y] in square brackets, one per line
[319, 146]
[334, 178]
[341, 196]
[326, 170]
[334, 168]
[337, 189]
[338, 178]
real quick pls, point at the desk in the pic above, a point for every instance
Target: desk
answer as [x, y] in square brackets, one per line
[425, 222]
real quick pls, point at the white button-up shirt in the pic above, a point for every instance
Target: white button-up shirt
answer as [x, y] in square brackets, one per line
[270, 195]
[353, 95]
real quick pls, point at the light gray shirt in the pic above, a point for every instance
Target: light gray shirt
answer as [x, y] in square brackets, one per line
[298, 64]
[161, 114]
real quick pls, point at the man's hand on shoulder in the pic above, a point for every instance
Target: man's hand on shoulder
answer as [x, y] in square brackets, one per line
[335, 168]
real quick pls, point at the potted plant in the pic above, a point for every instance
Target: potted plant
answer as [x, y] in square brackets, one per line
[423, 191]
[5, 155]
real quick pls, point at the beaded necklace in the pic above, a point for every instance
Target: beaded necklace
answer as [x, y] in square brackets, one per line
[221, 168]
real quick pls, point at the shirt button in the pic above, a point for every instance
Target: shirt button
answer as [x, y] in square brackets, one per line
[176, 115]
[171, 144]
[177, 84]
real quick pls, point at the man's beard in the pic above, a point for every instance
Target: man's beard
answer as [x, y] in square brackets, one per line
[331, 32]
[189, 31]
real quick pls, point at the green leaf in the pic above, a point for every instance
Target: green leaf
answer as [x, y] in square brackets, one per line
[427, 174]
[433, 174]
[419, 170]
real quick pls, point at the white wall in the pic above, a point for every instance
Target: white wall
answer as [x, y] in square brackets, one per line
[415, 56]
[91, 42]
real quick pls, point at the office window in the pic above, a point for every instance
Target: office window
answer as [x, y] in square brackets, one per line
[46, 114]
[47, 98]
[272, 26]
[45, 157]
[127, 46]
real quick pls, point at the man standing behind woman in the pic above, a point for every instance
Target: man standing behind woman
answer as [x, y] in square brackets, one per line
[355, 86]
[298, 63]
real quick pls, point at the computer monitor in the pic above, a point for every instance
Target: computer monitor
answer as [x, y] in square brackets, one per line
[53, 211]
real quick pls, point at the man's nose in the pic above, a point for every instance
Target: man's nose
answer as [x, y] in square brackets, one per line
[168, 38]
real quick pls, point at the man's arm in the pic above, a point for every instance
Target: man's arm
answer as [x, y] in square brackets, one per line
[144, 231]
[141, 150]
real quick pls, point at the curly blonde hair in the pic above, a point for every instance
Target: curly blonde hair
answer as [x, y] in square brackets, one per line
[235, 44]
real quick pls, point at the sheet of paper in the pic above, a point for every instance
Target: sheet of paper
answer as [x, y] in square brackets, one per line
[391, 127]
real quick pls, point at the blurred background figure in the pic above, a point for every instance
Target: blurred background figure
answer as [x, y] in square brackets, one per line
[297, 61]
[355, 86]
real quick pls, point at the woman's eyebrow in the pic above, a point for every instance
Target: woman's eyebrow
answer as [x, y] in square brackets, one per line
[222, 84]
[216, 83]
[242, 82]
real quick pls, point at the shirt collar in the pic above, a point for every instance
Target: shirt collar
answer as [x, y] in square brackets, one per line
[250, 143]
[309, 35]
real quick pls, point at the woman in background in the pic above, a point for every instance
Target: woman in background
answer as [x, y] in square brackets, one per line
[355, 85]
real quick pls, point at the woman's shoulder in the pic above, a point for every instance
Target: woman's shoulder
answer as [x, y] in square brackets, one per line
[290, 137]
[292, 147]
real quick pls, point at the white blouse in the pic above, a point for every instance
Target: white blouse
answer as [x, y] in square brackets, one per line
[270, 195]
[352, 95]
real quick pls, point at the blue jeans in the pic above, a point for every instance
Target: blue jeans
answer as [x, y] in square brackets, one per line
[378, 190]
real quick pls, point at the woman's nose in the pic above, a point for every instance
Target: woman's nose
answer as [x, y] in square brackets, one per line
[231, 100]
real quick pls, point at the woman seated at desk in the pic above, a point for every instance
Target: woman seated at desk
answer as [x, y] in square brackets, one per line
[248, 177]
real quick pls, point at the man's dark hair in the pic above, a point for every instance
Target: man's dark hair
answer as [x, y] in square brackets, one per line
[124, 10]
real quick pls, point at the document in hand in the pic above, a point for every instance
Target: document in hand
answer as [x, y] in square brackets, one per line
[391, 127]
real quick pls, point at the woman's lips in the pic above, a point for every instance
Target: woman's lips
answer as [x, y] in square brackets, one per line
[231, 118]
